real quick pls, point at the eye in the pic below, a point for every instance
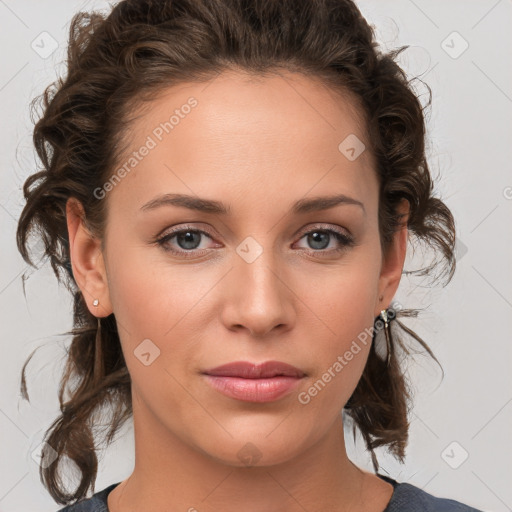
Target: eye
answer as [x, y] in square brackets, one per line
[319, 239]
[188, 240]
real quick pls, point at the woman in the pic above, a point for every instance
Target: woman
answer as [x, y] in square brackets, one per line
[230, 186]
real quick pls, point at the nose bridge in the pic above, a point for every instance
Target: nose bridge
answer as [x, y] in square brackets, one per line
[256, 266]
[260, 294]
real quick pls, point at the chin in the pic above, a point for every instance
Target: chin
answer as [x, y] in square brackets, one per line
[258, 446]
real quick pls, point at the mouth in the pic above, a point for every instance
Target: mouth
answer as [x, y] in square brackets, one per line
[251, 382]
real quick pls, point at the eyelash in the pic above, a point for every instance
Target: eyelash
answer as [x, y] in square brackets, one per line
[345, 240]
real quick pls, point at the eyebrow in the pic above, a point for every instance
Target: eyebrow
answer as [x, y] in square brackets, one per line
[216, 207]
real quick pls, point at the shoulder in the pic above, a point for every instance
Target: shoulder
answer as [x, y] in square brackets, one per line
[409, 498]
[96, 503]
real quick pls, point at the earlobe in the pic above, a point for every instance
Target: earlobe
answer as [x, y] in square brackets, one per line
[393, 261]
[87, 261]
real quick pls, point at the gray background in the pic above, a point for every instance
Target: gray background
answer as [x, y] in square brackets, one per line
[467, 324]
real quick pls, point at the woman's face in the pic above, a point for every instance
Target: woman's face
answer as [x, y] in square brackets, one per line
[253, 284]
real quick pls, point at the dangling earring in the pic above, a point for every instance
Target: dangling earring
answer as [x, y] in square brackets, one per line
[387, 315]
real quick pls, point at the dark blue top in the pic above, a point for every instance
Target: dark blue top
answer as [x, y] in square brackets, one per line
[405, 498]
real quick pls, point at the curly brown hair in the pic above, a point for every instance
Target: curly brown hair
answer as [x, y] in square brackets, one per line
[115, 63]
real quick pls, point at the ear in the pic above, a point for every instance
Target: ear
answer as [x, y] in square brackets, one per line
[87, 260]
[393, 261]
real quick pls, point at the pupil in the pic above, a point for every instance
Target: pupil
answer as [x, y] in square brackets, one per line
[315, 237]
[188, 237]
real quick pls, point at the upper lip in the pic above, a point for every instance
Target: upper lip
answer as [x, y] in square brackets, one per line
[248, 370]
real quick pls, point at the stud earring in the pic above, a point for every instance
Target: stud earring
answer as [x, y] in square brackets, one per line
[95, 302]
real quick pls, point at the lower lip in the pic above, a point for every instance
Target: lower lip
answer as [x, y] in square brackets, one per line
[253, 390]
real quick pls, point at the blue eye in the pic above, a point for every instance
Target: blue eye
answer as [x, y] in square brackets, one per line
[189, 239]
[317, 238]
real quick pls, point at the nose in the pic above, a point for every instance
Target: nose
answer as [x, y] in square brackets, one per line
[259, 298]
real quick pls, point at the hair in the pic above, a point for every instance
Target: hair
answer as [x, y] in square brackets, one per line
[119, 60]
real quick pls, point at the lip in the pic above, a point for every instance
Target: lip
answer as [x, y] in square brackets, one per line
[251, 382]
[248, 370]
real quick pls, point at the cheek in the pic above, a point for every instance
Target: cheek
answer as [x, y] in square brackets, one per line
[150, 297]
[343, 297]
[154, 309]
[163, 303]
[345, 305]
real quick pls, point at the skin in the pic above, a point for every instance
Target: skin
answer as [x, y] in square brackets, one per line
[257, 146]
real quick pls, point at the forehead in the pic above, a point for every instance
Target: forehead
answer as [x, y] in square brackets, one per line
[283, 131]
[238, 100]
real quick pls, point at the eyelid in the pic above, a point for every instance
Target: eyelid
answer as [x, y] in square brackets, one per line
[181, 227]
[324, 227]
[345, 240]
[300, 233]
